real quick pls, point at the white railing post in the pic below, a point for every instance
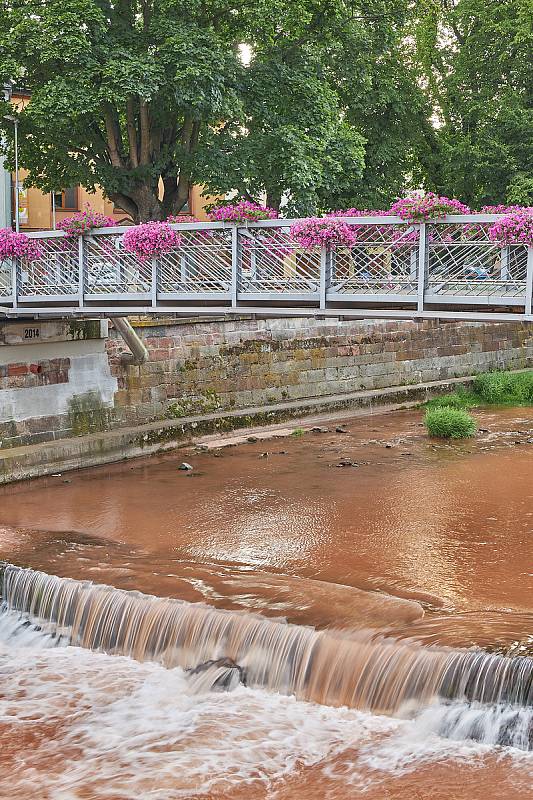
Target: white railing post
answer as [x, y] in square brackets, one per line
[504, 269]
[15, 269]
[153, 288]
[413, 264]
[183, 268]
[529, 281]
[235, 266]
[422, 258]
[324, 258]
[81, 270]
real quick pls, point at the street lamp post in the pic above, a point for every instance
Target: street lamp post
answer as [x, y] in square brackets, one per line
[15, 122]
[8, 94]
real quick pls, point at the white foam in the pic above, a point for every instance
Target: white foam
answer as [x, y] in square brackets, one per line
[122, 729]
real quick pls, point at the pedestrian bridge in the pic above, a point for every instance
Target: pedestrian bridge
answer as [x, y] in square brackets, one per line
[447, 269]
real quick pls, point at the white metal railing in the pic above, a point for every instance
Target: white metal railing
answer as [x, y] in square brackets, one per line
[424, 269]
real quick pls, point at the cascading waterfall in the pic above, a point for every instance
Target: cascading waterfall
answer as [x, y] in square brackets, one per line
[492, 695]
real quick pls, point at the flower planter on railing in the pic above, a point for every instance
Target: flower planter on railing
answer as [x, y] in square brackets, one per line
[18, 245]
[83, 222]
[427, 207]
[242, 212]
[515, 227]
[151, 240]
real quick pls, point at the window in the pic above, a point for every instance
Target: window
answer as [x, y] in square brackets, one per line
[67, 199]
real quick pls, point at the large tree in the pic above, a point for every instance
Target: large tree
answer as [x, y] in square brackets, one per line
[136, 94]
[477, 59]
[121, 92]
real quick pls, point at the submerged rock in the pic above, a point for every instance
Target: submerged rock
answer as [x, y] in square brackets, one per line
[221, 674]
[185, 466]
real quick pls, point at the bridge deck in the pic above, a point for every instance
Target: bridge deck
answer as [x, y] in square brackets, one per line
[448, 268]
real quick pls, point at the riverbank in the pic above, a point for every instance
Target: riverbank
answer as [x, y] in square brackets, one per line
[93, 449]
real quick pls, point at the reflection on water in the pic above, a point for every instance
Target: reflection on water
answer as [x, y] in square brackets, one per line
[290, 534]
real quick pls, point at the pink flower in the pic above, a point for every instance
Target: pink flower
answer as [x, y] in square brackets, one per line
[321, 231]
[366, 233]
[514, 228]
[150, 239]
[500, 209]
[18, 245]
[415, 208]
[244, 211]
[84, 222]
[176, 219]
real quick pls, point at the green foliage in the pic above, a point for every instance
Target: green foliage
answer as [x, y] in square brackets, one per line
[336, 122]
[297, 432]
[505, 388]
[476, 58]
[458, 399]
[325, 110]
[450, 423]
[332, 105]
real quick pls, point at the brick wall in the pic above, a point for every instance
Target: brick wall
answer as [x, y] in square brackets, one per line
[25, 375]
[200, 367]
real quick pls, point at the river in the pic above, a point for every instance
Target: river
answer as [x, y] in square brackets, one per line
[359, 549]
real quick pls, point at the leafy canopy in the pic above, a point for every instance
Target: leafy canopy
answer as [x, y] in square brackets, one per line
[147, 97]
[476, 57]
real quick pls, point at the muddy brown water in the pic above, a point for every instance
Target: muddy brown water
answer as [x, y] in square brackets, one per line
[376, 528]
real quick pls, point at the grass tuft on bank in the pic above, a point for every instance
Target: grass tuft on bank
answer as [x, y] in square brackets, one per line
[446, 422]
[505, 388]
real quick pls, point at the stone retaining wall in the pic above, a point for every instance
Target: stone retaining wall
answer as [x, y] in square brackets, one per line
[71, 380]
[203, 367]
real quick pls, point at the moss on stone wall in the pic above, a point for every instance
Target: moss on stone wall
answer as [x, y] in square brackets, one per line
[204, 402]
[87, 414]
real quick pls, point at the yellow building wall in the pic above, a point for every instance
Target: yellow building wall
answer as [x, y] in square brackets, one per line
[36, 207]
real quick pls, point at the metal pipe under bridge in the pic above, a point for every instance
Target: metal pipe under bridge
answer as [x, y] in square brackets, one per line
[448, 269]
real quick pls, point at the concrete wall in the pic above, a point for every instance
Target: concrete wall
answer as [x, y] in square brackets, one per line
[71, 380]
[55, 381]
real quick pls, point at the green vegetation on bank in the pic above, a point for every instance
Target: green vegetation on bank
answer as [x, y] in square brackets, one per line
[450, 423]
[505, 388]
[490, 389]
[447, 416]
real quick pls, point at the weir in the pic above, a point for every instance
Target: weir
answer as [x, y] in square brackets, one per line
[364, 670]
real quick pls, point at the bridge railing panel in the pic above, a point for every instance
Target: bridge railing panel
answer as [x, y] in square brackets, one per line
[382, 263]
[272, 264]
[201, 266]
[111, 273]
[54, 275]
[465, 266]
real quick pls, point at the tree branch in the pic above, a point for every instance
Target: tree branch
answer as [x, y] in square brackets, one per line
[125, 203]
[113, 136]
[132, 132]
[145, 132]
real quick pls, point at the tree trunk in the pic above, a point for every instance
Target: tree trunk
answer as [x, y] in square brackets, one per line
[148, 205]
[273, 199]
[141, 203]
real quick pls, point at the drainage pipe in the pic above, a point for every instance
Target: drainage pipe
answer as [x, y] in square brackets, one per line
[139, 353]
